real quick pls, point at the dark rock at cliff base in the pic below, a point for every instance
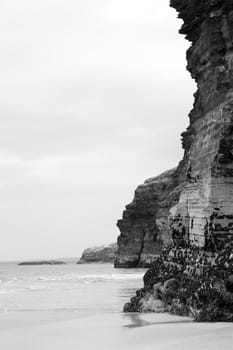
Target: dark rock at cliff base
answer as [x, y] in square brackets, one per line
[100, 254]
[188, 281]
[42, 262]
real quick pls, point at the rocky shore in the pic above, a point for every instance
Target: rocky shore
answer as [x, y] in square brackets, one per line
[188, 281]
[100, 254]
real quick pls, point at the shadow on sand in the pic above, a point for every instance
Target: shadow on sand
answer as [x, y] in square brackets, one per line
[136, 320]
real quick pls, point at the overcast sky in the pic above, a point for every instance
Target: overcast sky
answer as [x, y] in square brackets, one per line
[94, 96]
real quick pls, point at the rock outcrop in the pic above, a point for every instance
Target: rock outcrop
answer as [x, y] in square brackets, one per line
[144, 226]
[190, 282]
[101, 254]
[194, 274]
[42, 262]
[201, 209]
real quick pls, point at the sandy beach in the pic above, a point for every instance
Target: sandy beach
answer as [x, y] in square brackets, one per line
[44, 331]
[79, 307]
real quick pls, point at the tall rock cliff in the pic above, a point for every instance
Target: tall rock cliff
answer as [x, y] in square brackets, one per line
[194, 203]
[204, 213]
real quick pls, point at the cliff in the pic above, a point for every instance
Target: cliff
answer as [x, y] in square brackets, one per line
[197, 205]
[194, 274]
[203, 214]
[102, 254]
[144, 226]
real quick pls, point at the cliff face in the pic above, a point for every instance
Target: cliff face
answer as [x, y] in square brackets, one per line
[194, 274]
[197, 205]
[144, 226]
[101, 254]
[204, 213]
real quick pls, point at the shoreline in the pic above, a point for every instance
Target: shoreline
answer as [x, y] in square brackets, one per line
[110, 331]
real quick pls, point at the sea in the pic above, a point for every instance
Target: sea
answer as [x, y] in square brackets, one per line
[79, 307]
[84, 289]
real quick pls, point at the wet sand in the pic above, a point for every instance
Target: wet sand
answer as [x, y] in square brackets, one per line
[72, 331]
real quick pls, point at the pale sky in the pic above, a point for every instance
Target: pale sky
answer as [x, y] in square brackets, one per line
[94, 96]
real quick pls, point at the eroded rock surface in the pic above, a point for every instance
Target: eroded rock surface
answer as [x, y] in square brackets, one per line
[105, 254]
[190, 282]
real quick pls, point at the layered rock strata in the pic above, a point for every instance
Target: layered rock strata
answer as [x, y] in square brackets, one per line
[204, 213]
[194, 275]
[101, 254]
[202, 210]
[144, 226]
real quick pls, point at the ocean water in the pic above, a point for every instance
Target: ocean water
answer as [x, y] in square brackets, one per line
[70, 307]
[82, 289]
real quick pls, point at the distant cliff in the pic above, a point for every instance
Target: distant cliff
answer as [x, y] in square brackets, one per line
[104, 254]
[194, 202]
[194, 274]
